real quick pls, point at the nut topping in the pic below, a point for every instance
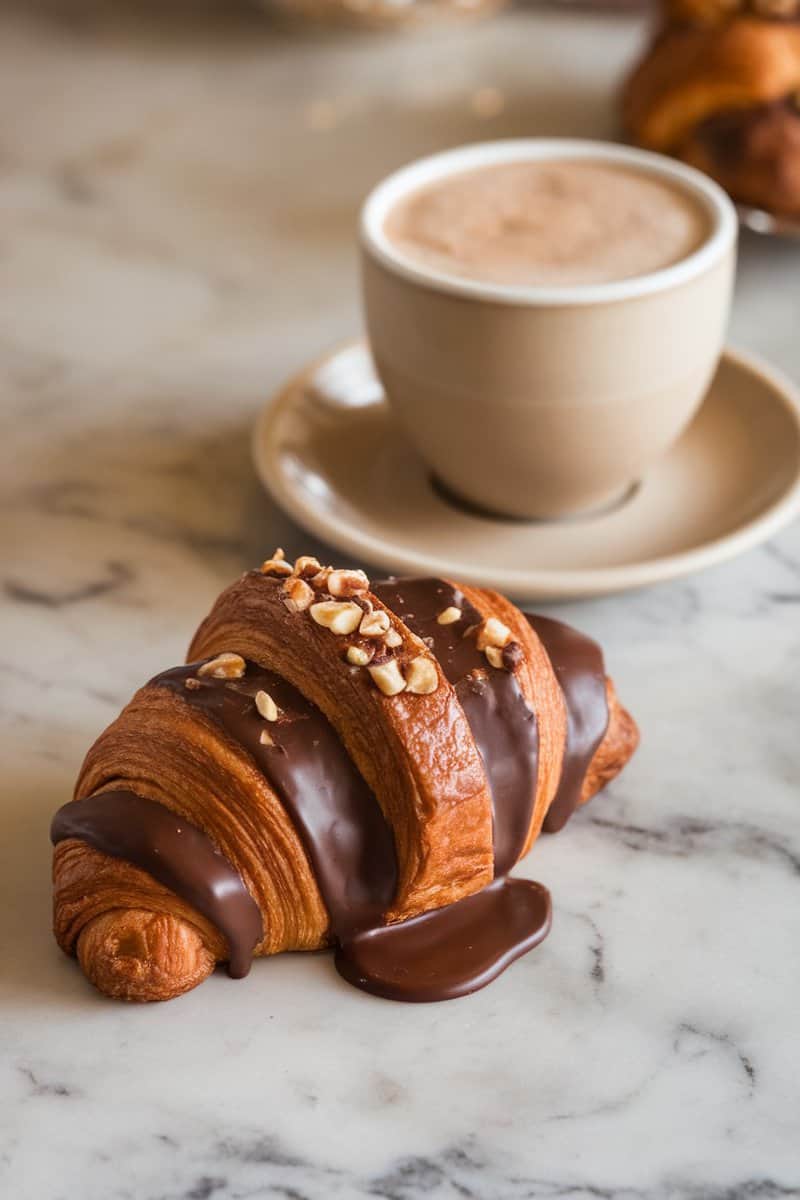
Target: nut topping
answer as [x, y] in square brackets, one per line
[298, 596]
[495, 656]
[393, 639]
[224, 666]
[359, 656]
[388, 678]
[449, 615]
[512, 655]
[347, 583]
[307, 566]
[375, 624]
[266, 706]
[320, 580]
[275, 565]
[265, 738]
[493, 633]
[192, 684]
[421, 676]
[339, 616]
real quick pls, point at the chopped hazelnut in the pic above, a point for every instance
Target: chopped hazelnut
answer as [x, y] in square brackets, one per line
[388, 678]
[320, 581]
[224, 666]
[347, 583]
[359, 656]
[449, 615]
[375, 624]
[492, 633]
[266, 706]
[275, 566]
[192, 684]
[512, 655]
[393, 639]
[494, 655]
[307, 566]
[421, 676]
[298, 596]
[265, 738]
[337, 615]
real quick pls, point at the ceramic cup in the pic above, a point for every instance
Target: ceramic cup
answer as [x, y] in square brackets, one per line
[542, 402]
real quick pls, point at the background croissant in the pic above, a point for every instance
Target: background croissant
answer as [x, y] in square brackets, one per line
[427, 717]
[720, 88]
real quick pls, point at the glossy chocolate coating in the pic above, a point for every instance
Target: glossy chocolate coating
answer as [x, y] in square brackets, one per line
[452, 951]
[578, 664]
[174, 852]
[345, 834]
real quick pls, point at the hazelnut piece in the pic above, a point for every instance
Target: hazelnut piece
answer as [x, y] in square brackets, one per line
[266, 706]
[347, 583]
[388, 678]
[421, 676]
[375, 624]
[337, 615]
[492, 633]
[224, 666]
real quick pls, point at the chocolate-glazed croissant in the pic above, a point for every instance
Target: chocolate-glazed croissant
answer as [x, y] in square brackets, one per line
[340, 763]
[720, 89]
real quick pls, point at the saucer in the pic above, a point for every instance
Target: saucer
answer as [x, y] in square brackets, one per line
[331, 454]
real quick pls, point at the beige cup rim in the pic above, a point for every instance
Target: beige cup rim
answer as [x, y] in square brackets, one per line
[724, 225]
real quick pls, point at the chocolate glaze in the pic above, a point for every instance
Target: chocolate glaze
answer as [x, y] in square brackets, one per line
[578, 664]
[452, 951]
[174, 852]
[502, 724]
[350, 845]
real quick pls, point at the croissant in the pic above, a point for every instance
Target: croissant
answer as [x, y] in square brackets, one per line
[339, 763]
[720, 89]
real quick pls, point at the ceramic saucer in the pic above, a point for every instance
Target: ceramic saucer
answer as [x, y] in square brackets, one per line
[329, 451]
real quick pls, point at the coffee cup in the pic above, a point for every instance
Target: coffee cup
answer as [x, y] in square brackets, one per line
[549, 398]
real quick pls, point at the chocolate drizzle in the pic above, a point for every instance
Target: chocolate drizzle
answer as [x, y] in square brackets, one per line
[578, 664]
[458, 949]
[502, 724]
[452, 951]
[350, 845]
[174, 852]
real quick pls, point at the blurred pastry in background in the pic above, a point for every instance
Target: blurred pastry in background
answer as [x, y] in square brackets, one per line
[380, 14]
[720, 88]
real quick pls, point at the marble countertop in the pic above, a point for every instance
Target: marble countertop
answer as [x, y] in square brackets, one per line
[178, 188]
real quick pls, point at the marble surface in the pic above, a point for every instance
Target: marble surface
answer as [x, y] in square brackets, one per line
[178, 187]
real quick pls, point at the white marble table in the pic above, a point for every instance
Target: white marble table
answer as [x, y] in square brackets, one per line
[177, 199]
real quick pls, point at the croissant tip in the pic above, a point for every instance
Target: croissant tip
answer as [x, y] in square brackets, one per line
[132, 954]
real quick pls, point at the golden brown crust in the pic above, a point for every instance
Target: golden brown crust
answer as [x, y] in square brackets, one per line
[137, 940]
[693, 75]
[415, 752]
[135, 954]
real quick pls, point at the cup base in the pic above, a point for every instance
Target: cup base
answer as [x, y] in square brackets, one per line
[618, 499]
